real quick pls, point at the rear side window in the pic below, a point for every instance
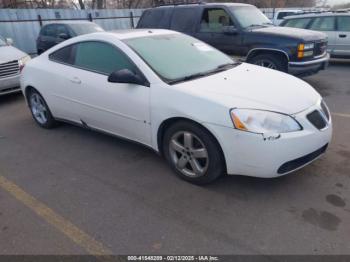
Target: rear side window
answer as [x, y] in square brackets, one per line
[183, 20]
[48, 30]
[156, 18]
[64, 55]
[298, 23]
[344, 23]
[215, 20]
[101, 57]
[323, 24]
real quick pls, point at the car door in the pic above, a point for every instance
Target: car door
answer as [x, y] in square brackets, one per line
[214, 29]
[326, 24]
[118, 108]
[65, 89]
[343, 36]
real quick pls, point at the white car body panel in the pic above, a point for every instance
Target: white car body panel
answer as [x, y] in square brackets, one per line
[137, 112]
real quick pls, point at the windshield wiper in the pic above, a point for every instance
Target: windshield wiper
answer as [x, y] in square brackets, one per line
[187, 78]
[227, 66]
[268, 23]
[219, 68]
[255, 25]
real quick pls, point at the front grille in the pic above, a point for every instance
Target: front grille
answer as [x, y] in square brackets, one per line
[316, 119]
[299, 162]
[320, 48]
[9, 69]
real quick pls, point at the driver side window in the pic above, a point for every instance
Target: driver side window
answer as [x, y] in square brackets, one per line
[215, 20]
[101, 58]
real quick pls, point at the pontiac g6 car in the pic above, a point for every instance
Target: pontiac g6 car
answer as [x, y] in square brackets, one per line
[206, 113]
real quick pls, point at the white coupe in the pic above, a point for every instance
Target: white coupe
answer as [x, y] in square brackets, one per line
[207, 114]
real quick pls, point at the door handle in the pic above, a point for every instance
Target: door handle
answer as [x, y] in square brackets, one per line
[75, 80]
[342, 36]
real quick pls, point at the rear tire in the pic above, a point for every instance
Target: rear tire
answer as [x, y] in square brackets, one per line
[193, 153]
[271, 61]
[40, 111]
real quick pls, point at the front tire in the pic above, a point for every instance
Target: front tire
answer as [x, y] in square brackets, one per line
[270, 61]
[193, 153]
[40, 111]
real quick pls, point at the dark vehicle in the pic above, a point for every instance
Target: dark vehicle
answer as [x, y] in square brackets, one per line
[335, 25]
[54, 33]
[244, 31]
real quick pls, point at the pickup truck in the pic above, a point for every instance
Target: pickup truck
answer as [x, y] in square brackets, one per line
[243, 31]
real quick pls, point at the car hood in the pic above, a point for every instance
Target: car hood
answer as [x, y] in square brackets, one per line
[10, 53]
[305, 35]
[250, 86]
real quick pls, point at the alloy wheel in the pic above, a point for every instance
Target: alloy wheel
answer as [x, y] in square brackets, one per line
[38, 108]
[266, 63]
[189, 154]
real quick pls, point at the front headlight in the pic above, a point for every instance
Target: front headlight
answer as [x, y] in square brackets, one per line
[261, 122]
[305, 50]
[23, 61]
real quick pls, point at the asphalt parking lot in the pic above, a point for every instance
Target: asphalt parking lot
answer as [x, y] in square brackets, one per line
[74, 191]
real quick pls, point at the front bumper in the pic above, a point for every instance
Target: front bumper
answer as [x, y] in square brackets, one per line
[308, 67]
[251, 155]
[9, 84]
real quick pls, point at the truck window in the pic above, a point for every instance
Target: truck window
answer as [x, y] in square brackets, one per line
[214, 20]
[184, 20]
[155, 18]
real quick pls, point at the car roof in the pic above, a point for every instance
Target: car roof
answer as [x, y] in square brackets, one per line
[130, 33]
[318, 15]
[289, 10]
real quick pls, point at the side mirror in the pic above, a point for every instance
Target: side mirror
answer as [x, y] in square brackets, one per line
[9, 41]
[127, 77]
[63, 36]
[230, 30]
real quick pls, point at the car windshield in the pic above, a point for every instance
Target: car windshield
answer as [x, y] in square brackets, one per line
[86, 28]
[2, 42]
[176, 57]
[249, 16]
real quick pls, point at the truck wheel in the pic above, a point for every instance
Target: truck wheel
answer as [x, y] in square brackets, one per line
[270, 61]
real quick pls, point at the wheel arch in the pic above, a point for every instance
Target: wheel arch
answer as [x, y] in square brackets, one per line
[170, 121]
[259, 51]
[27, 90]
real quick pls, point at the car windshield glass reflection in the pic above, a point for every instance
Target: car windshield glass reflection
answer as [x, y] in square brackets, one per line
[177, 58]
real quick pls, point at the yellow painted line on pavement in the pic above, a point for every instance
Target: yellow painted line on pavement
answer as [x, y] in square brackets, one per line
[81, 238]
[340, 114]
